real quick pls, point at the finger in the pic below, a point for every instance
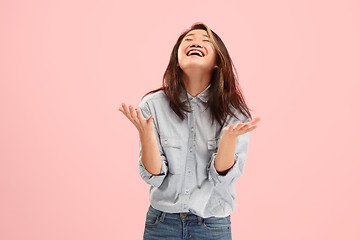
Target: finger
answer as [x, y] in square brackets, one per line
[240, 125]
[128, 114]
[141, 118]
[126, 111]
[250, 128]
[246, 127]
[139, 115]
[255, 120]
[134, 115]
[149, 119]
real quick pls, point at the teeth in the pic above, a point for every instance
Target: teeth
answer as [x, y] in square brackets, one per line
[195, 51]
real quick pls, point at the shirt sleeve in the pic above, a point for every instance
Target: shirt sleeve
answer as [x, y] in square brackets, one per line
[153, 180]
[237, 169]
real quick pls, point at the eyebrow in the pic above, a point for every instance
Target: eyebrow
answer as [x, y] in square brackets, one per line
[193, 34]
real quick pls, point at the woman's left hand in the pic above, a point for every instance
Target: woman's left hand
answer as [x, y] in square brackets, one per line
[240, 128]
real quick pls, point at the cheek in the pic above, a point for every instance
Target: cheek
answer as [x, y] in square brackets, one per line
[181, 49]
[181, 52]
[212, 48]
[213, 52]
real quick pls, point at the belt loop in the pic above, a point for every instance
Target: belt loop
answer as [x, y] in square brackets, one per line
[200, 220]
[162, 216]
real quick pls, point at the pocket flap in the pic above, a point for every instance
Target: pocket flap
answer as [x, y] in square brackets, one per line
[213, 143]
[170, 142]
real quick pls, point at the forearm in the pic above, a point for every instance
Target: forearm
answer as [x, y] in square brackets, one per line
[224, 159]
[150, 156]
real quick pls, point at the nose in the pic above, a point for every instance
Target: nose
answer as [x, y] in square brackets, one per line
[195, 45]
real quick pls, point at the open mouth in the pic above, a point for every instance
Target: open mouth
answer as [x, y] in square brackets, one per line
[195, 52]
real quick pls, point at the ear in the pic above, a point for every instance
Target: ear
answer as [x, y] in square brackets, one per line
[216, 66]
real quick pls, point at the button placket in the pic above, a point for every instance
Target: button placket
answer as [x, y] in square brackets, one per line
[190, 160]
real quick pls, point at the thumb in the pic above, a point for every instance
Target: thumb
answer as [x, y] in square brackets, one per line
[150, 118]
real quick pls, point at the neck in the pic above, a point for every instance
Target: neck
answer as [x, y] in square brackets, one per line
[195, 83]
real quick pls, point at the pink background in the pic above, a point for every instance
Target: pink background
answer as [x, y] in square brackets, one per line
[68, 157]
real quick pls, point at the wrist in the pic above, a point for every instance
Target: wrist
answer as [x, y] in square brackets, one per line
[228, 138]
[146, 135]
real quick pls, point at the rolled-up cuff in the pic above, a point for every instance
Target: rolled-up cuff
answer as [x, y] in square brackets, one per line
[153, 180]
[233, 173]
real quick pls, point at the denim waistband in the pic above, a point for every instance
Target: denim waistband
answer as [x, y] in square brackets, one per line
[181, 215]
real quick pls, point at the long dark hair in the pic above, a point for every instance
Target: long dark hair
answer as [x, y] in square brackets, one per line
[224, 87]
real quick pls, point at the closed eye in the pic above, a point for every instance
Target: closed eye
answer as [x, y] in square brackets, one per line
[191, 39]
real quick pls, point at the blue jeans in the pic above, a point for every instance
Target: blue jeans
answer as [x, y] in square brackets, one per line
[175, 226]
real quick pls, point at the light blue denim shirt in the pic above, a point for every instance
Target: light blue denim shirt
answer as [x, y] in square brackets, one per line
[188, 181]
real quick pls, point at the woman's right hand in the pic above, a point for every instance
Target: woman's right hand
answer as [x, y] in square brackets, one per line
[142, 124]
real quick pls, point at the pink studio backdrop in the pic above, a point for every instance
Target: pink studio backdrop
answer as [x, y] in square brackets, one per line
[68, 157]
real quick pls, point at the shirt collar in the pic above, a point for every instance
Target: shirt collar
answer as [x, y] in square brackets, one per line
[203, 96]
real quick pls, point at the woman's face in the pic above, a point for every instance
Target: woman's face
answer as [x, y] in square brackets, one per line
[197, 39]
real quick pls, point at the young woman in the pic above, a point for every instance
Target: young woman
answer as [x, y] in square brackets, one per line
[193, 138]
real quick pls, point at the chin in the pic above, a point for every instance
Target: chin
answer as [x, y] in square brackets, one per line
[192, 66]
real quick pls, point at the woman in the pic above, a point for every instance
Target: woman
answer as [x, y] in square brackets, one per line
[194, 134]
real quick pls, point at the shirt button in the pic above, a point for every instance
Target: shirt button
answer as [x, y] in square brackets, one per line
[190, 149]
[185, 206]
[188, 171]
[192, 129]
[187, 191]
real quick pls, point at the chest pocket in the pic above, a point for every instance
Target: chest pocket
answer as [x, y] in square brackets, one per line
[173, 152]
[212, 145]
